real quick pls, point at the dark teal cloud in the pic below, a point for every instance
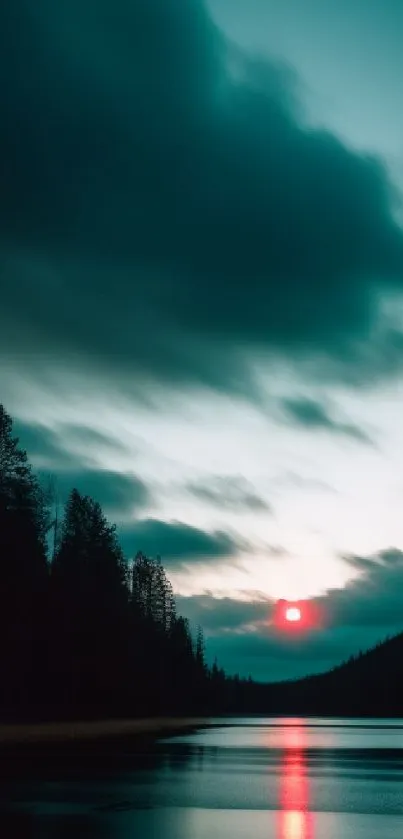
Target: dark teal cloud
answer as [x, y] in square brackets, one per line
[178, 543]
[54, 449]
[43, 448]
[164, 209]
[119, 494]
[312, 415]
[229, 492]
[374, 597]
[216, 616]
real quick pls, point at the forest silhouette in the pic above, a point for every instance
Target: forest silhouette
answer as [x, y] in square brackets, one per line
[83, 633]
[86, 634]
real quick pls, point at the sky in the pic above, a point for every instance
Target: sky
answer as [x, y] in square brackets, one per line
[201, 319]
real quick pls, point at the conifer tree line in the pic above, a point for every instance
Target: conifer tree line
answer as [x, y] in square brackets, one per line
[83, 632]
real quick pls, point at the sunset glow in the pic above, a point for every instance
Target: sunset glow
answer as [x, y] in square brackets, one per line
[297, 616]
[293, 614]
[296, 821]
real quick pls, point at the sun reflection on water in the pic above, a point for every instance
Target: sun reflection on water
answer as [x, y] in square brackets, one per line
[295, 818]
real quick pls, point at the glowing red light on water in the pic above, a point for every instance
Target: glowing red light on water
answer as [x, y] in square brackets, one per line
[295, 818]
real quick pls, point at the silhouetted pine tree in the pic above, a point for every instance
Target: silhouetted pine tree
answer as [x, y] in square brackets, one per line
[182, 665]
[200, 650]
[23, 572]
[201, 684]
[152, 611]
[89, 596]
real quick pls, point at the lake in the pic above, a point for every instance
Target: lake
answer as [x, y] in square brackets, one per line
[239, 779]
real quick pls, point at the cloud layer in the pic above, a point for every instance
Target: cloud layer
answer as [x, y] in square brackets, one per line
[167, 214]
[312, 415]
[229, 492]
[178, 543]
[165, 210]
[366, 610]
[55, 456]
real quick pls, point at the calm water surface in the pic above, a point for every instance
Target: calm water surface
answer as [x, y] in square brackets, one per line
[243, 779]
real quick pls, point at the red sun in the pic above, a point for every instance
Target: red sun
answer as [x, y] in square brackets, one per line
[296, 616]
[292, 614]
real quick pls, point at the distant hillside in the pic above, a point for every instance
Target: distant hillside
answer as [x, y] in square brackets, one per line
[370, 684]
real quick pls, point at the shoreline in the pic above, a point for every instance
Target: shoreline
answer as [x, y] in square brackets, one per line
[97, 731]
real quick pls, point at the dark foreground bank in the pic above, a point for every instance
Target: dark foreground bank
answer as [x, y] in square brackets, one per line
[88, 732]
[25, 748]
